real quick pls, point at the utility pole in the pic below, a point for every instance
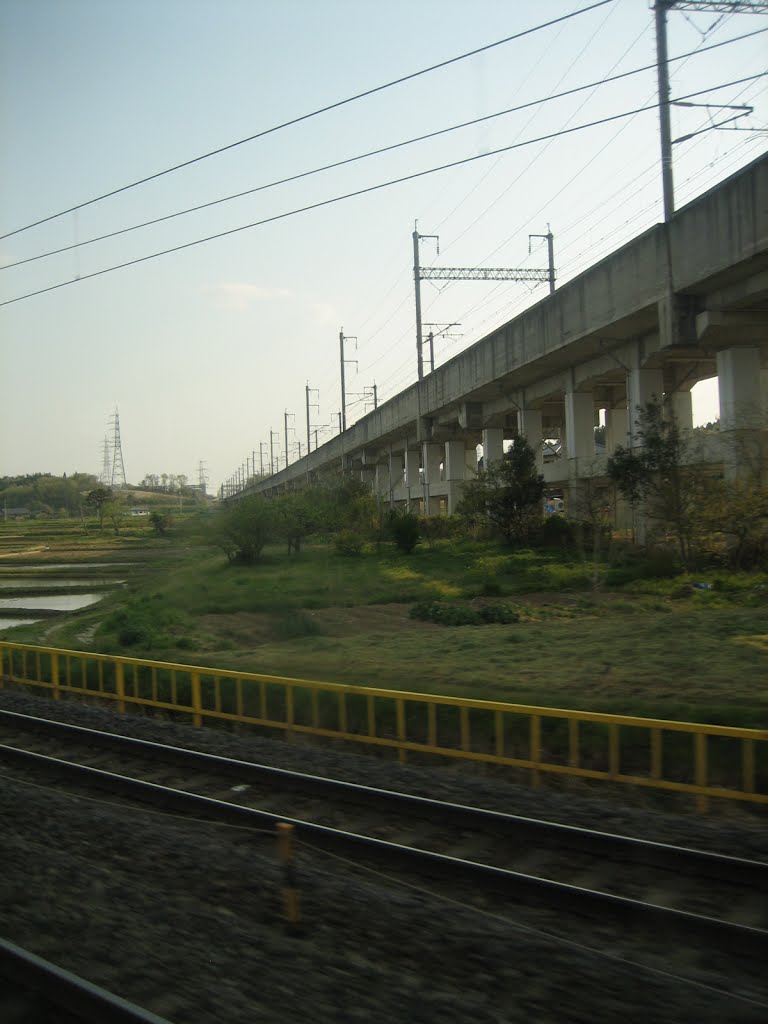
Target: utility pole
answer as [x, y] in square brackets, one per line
[660, 8]
[262, 446]
[342, 339]
[315, 405]
[550, 253]
[272, 435]
[417, 279]
[285, 421]
[432, 336]
[662, 68]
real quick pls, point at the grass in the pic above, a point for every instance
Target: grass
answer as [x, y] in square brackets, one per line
[656, 648]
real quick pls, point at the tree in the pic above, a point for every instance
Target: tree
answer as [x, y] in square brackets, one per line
[297, 516]
[97, 499]
[738, 509]
[161, 522]
[246, 528]
[654, 475]
[507, 495]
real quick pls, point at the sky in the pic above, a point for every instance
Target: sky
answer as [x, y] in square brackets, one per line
[204, 351]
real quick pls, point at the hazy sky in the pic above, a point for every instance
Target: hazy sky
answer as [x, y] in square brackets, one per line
[204, 350]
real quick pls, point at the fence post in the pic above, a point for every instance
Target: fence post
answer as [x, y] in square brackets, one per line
[700, 747]
[536, 749]
[120, 686]
[55, 676]
[197, 707]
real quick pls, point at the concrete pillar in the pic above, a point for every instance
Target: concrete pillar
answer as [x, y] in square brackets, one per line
[493, 445]
[395, 476]
[529, 423]
[368, 476]
[470, 461]
[412, 478]
[432, 457]
[456, 470]
[743, 420]
[642, 386]
[580, 424]
[739, 381]
[616, 429]
[381, 483]
[682, 407]
[455, 460]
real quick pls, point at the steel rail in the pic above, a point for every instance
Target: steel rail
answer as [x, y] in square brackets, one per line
[82, 999]
[520, 829]
[725, 937]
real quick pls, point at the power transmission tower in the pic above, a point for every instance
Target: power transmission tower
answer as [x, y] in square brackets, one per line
[118, 468]
[106, 464]
[468, 274]
[202, 476]
[660, 10]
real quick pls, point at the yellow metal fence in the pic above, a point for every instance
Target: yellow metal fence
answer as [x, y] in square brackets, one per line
[684, 757]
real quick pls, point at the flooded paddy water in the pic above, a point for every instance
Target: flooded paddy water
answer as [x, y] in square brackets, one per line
[31, 591]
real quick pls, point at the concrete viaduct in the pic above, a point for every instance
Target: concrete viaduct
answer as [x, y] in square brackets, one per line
[683, 302]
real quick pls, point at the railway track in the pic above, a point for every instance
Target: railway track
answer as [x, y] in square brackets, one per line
[716, 902]
[35, 990]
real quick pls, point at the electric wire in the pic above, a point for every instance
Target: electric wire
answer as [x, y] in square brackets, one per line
[388, 149]
[314, 113]
[502, 313]
[326, 202]
[685, 58]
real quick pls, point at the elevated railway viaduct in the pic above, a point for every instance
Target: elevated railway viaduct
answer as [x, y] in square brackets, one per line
[683, 302]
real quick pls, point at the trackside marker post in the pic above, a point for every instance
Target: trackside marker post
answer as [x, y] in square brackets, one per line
[285, 839]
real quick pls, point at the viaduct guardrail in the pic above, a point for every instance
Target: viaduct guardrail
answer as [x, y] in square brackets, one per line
[699, 760]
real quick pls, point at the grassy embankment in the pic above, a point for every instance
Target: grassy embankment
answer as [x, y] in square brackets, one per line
[658, 647]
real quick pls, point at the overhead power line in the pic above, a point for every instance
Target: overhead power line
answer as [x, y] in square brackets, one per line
[306, 117]
[370, 188]
[370, 153]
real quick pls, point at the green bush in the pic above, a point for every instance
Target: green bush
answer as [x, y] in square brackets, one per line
[456, 614]
[556, 532]
[405, 528]
[348, 543]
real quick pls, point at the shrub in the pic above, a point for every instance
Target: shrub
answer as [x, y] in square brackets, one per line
[348, 543]
[457, 614]
[404, 527]
[556, 532]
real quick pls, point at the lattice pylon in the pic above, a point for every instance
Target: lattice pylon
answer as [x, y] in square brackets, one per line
[118, 468]
[106, 464]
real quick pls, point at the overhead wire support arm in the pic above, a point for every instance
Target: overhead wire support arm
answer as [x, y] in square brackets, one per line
[483, 274]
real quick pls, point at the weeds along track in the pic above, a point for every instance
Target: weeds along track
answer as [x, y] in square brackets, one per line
[578, 879]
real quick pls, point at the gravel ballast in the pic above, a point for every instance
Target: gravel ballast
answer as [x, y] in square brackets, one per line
[184, 917]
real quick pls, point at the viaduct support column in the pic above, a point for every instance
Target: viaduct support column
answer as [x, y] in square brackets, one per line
[682, 407]
[413, 479]
[529, 423]
[433, 456]
[493, 445]
[616, 430]
[455, 471]
[642, 387]
[742, 412]
[395, 475]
